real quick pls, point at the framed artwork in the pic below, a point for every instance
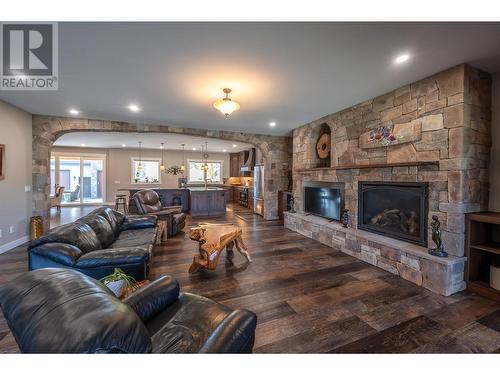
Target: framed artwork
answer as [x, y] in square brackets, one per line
[2, 162]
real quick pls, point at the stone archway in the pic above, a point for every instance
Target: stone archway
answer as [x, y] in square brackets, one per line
[276, 151]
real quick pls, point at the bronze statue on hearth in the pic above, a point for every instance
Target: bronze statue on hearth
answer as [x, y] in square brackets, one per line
[436, 237]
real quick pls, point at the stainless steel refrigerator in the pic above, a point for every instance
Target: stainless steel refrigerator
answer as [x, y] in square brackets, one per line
[258, 191]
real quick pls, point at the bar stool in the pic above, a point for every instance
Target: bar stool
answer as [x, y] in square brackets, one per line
[121, 200]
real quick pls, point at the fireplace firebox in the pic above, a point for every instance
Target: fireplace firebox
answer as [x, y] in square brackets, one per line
[394, 209]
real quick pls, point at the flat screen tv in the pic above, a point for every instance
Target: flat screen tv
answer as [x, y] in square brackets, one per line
[324, 202]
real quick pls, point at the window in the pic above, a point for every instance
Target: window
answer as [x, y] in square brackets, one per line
[147, 173]
[196, 173]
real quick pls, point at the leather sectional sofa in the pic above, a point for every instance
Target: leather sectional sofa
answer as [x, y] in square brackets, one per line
[98, 243]
[63, 311]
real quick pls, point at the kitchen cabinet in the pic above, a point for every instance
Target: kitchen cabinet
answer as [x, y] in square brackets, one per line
[234, 164]
[168, 197]
[217, 203]
[236, 194]
[207, 203]
[238, 160]
[229, 194]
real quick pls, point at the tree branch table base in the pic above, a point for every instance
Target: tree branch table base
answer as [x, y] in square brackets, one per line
[161, 232]
[213, 239]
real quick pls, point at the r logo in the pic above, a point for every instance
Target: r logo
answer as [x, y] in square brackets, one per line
[29, 56]
[27, 50]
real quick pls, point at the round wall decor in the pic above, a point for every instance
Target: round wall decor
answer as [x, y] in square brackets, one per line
[323, 146]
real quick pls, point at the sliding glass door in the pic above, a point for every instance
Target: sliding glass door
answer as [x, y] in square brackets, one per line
[81, 176]
[69, 178]
[92, 183]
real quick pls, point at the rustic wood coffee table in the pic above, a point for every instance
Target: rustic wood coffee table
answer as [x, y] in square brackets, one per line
[212, 239]
[161, 232]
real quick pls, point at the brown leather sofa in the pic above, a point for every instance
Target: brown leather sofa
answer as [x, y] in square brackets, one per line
[148, 203]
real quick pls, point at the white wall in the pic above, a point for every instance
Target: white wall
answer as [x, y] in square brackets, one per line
[495, 149]
[15, 202]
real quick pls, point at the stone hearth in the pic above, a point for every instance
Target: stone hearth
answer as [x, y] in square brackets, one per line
[413, 263]
[440, 134]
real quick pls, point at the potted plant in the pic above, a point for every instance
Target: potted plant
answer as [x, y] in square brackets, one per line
[118, 282]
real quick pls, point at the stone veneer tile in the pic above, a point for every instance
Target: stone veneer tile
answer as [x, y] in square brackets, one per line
[410, 261]
[409, 273]
[454, 116]
[401, 153]
[432, 122]
[391, 113]
[388, 265]
[369, 257]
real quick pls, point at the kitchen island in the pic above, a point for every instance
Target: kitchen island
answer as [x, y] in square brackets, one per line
[168, 197]
[207, 202]
[198, 201]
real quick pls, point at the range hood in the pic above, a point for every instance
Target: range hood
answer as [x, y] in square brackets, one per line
[248, 160]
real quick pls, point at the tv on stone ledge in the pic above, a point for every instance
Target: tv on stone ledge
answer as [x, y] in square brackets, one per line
[324, 202]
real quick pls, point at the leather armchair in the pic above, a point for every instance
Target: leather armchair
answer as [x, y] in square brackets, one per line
[64, 311]
[148, 202]
[98, 243]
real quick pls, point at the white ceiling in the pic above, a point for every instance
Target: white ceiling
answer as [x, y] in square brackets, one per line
[149, 141]
[290, 73]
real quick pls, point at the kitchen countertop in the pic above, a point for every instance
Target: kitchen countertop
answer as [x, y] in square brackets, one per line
[148, 188]
[203, 189]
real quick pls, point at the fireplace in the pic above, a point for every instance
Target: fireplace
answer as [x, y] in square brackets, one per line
[397, 210]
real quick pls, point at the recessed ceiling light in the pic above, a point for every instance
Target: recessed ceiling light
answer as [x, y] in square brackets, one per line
[82, 145]
[272, 124]
[134, 108]
[402, 58]
[235, 145]
[224, 150]
[124, 145]
[194, 148]
[74, 112]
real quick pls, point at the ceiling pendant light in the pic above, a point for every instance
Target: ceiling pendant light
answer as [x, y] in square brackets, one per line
[162, 166]
[226, 106]
[205, 156]
[183, 167]
[139, 167]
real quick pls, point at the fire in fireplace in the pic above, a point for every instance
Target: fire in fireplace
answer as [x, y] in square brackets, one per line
[397, 210]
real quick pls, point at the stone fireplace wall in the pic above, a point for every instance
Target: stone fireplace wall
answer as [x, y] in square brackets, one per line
[448, 118]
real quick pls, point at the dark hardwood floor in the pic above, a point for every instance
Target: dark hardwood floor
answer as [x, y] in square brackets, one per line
[310, 298]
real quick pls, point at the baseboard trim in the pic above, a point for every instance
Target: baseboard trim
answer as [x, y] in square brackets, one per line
[10, 245]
